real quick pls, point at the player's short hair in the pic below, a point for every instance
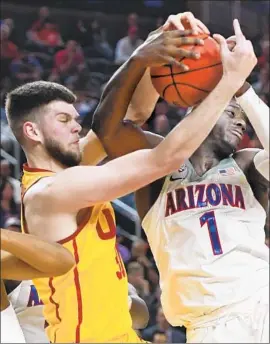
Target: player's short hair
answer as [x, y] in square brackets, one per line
[24, 102]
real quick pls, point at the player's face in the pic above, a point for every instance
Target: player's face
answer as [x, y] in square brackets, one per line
[229, 130]
[60, 130]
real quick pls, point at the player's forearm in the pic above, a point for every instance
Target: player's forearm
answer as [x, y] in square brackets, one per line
[48, 257]
[116, 98]
[189, 134]
[4, 302]
[143, 100]
[258, 114]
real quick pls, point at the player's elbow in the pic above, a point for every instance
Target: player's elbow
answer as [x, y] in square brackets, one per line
[139, 314]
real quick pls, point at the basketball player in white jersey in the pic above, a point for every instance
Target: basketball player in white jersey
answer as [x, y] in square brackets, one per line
[28, 308]
[205, 222]
[24, 257]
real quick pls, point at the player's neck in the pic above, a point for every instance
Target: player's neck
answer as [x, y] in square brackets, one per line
[204, 159]
[41, 160]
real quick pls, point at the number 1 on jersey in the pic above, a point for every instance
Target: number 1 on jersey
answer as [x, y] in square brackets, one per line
[210, 219]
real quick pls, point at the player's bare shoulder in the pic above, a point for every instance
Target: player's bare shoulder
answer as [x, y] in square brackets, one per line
[260, 185]
[41, 216]
[245, 157]
[37, 194]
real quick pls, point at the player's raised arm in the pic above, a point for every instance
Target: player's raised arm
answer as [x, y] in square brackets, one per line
[18, 250]
[142, 102]
[79, 187]
[145, 96]
[160, 48]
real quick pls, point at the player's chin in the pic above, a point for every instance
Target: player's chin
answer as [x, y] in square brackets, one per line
[234, 143]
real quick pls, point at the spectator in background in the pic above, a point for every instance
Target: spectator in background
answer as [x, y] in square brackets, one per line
[139, 250]
[80, 33]
[125, 46]
[123, 250]
[173, 335]
[8, 207]
[12, 34]
[44, 35]
[13, 224]
[8, 50]
[161, 124]
[263, 59]
[43, 16]
[262, 85]
[25, 68]
[159, 22]
[69, 65]
[135, 274]
[99, 40]
[159, 337]
[5, 172]
[132, 20]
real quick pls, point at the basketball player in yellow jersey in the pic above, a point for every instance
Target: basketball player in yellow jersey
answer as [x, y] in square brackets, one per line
[67, 203]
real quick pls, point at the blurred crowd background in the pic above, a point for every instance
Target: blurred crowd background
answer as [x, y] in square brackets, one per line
[80, 44]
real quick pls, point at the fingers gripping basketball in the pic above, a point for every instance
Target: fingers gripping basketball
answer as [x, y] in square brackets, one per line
[187, 88]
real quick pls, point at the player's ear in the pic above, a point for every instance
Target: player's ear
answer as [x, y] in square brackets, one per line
[32, 132]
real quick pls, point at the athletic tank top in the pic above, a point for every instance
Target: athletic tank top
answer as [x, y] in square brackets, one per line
[207, 237]
[89, 303]
[29, 310]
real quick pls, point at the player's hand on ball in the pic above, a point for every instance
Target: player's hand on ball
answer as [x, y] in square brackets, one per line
[164, 47]
[185, 21]
[231, 42]
[238, 63]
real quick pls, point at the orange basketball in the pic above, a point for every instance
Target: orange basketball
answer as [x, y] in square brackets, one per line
[188, 88]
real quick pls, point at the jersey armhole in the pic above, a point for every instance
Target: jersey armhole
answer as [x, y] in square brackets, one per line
[24, 223]
[164, 186]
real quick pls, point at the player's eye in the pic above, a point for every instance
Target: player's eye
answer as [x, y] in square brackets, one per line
[63, 119]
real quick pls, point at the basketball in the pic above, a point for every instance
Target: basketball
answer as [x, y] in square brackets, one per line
[187, 88]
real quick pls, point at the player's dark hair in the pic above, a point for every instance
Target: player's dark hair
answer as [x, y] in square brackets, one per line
[23, 102]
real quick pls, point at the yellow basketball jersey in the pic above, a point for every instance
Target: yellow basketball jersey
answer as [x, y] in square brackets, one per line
[89, 303]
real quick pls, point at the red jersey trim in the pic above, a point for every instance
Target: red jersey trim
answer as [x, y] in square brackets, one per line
[78, 292]
[78, 230]
[52, 300]
[33, 169]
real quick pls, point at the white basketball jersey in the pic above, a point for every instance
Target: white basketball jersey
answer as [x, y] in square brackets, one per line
[11, 331]
[207, 237]
[29, 310]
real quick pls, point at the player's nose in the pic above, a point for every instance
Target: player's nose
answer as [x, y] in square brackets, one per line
[240, 123]
[77, 128]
